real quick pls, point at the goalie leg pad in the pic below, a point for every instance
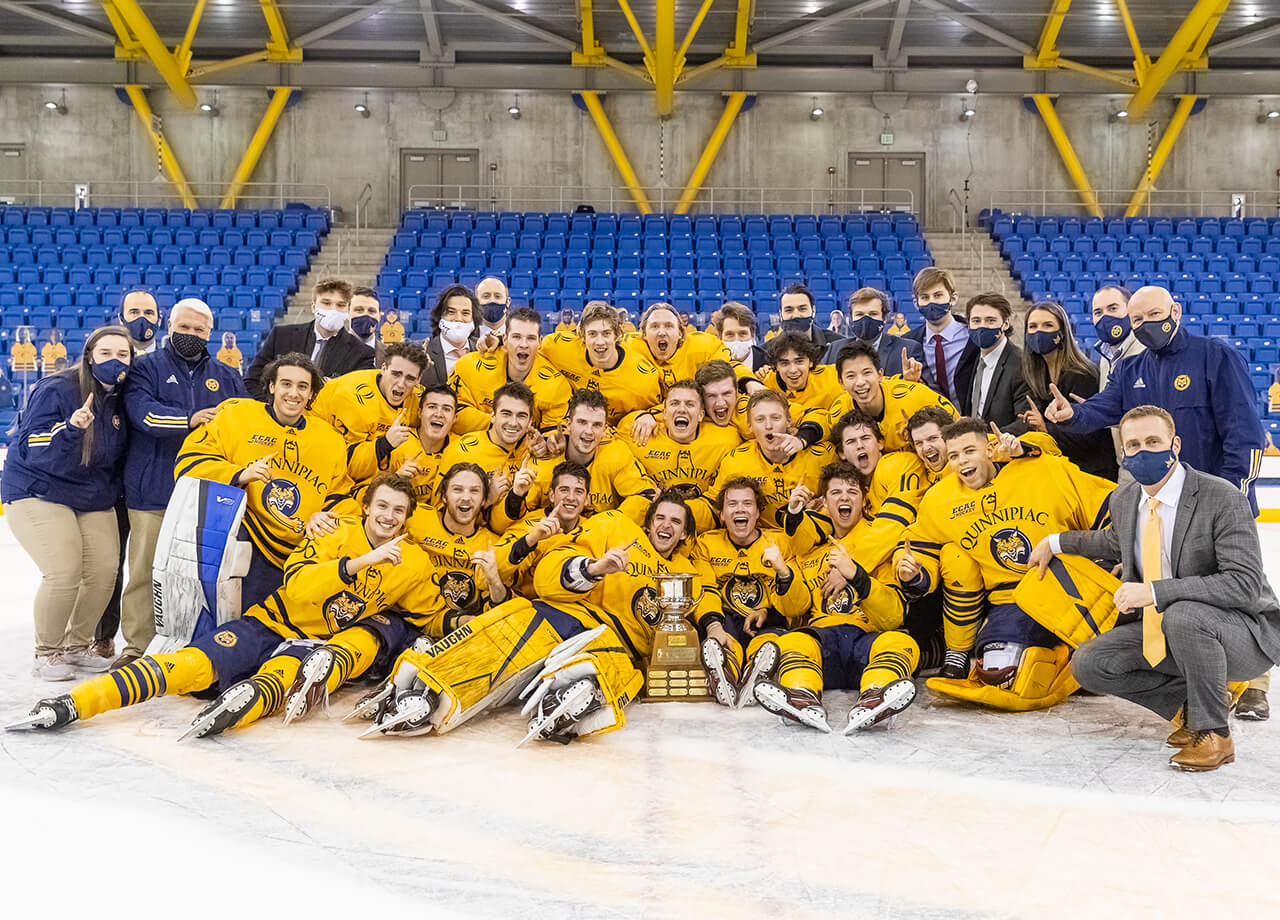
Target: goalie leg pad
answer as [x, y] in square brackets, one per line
[602, 658]
[963, 598]
[1074, 600]
[1043, 679]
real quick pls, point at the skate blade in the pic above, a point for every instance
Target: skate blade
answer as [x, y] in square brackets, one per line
[726, 694]
[570, 700]
[296, 707]
[30, 723]
[235, 701]
[790, 714]
[366, 708]
[400, 718]
[315, 672]
[746, 690]
[898, 696]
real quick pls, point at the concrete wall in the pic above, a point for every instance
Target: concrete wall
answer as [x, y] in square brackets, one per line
[323, 140]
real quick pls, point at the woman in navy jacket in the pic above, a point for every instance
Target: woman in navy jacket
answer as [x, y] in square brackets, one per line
[60, 485]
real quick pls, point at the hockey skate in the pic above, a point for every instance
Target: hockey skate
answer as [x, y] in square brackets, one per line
[404, 705]
[51, 713]
[879, 703]
[561, 708]
[225, 711]
[955, 665]
[719, 681]
[759, 667]
[792, 704]
[310, 688]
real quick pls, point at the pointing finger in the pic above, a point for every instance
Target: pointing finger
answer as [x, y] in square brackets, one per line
[995, 429]
[88, 403]
[1077, 398]
[1057, 394]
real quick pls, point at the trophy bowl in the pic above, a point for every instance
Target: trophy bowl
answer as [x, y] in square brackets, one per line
[675, 592]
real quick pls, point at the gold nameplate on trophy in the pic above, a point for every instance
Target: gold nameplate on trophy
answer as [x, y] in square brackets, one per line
[675, 672]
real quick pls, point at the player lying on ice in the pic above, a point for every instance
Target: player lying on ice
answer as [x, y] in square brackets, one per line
[337, 590]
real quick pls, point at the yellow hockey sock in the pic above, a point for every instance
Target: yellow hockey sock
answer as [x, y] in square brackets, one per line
[272, 680]
[894, 655]
[183, 671]
[734, 659]
[800, 664]
[354, 651]
[963, 598]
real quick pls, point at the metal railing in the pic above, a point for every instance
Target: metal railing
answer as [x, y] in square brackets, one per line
[1159, 203]
[717, 199]
[362, 202]
[158, 193]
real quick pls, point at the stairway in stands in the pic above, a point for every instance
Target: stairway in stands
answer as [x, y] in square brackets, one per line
[342, 256]
[975, 263]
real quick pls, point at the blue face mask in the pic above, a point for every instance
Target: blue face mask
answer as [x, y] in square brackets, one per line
[1156, 334]
[364, 325]
[492, 313]
[141, 329]
[984, 336]
[934, 311]
[1043, 343]
[1112, 330]
[109, 373]
[1150, 466]
[801, 324]
[866, 328]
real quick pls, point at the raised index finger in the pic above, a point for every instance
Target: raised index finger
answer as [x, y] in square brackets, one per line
[906, 547]
[1057, 394]
[88, 403]
[995, 429]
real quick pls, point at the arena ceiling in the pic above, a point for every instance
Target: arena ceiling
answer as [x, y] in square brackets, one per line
[798, 45]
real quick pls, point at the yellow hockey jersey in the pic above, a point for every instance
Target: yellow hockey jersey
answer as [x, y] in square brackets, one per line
[517, 562]
[426, 482]
[820, 391]
[477, 377]
[873, 602]
[998, 526]
[308, 469]
[777, 480]
[617, 481]
[691, 468]
[902, 399]
[626, 601]
[478, 447]
[354, 405]
[453, 587]
[631, 384]
[695, 349]
[316, 601]
[744, 582]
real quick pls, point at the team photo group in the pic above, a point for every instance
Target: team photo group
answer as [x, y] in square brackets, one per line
[634, 508]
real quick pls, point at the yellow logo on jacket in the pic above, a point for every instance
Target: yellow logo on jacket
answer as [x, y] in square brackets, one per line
[1181, 382]
[212, 385]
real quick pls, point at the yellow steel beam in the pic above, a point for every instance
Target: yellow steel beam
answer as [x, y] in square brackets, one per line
[183, 52]
[1171, 59]
[592, 50]
[1047, 50]
[664, 56]
[1160, 154]
[128, 47]
[639, 34]
[161, 57]
[204, 70]
[278, 47]
[257, 144]
[1044, 105]
[1141, 63]
[738, 47]
[691, 34]
[1197, 58]
[611, 143]
[1113, 76]
[732, 106]
[143, 110]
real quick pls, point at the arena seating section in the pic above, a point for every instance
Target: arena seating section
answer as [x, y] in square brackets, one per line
[556, 261]
[68, 269]
[1225, 271]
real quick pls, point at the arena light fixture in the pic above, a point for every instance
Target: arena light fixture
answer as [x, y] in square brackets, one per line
[363, 106]
[57, 105]
[1267, 113]
[817, 111]
[514, 109]
[967, 112]
[211, 108]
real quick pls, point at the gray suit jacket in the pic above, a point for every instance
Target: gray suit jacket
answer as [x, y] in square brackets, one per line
[1216, 556]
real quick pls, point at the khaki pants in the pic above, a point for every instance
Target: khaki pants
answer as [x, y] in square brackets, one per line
[137, 605]
[77, 554]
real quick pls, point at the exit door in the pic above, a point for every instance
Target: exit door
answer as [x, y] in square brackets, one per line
[439, 179]
[13, 173]
[889, 181]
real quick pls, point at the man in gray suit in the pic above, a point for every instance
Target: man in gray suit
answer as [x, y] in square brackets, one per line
[1196, 610]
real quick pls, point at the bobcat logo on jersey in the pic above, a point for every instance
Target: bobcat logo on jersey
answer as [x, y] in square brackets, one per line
[644, 604]
[842, 601]
[282, 498]
[743, 592]
[1011, 548]
[458, 590]
[343, 609]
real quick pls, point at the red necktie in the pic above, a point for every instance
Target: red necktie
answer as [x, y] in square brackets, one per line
[940, 364]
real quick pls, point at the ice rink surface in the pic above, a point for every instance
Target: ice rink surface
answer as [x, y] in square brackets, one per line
[690, 811]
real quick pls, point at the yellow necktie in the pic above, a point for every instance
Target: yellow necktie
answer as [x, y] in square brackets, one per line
[1153, 648]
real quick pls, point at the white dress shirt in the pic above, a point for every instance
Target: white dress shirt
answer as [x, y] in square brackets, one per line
[452, 354]
[985, 373]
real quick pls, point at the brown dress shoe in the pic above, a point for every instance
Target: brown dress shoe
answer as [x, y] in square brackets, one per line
[1207, 751]
[1181, 735]
[1253, 705]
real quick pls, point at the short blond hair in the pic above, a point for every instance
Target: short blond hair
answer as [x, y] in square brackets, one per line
[597, 311]
[1138, 412]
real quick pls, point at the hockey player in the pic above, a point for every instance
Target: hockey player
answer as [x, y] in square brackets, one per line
[524, 543]
[688, 451]
[596, 359]
[924, 435]
[332, 583]
[293, 467]
[796, 373]
[463, 578]
[852, 637]
[502, 449]
[476, 377]
[590, 631]
[375, 411]
[617, 478]
[772, 459]
[758, 592]
[888, 401]
[677, 351]
[992, 512]
[419, 458]
[724, 404]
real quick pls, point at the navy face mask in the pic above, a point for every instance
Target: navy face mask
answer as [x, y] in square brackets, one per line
[934, 311]
[492, 313]
[984, 336]
[1150, 466]
[109, 373]
[866, 328]
[802, 324]
[364, 325]
[1112, 330]
[1156, 334]
[1043, 343]
[141, 329]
